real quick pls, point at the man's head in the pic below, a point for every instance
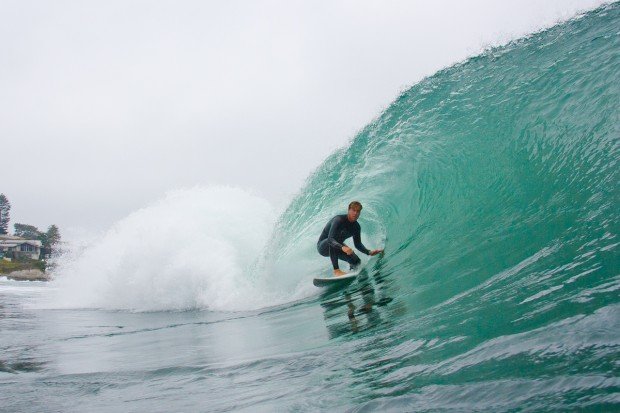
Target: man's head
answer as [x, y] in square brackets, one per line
[355, 208]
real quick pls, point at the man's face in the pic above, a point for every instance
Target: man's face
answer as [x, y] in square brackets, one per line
[354, 214]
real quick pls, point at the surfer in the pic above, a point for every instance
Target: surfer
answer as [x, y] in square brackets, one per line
[338, 229]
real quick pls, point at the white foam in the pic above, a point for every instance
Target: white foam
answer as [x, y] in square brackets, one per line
[196, 248]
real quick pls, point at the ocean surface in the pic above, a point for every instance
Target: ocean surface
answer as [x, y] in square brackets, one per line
[493, 186]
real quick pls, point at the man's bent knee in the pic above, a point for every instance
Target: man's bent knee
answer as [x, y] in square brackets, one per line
[323, 248]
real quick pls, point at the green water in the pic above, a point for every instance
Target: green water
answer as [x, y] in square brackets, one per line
[495, 186]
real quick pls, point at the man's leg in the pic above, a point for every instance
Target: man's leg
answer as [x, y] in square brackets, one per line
[327, 251]
[338, 254]
[353, 260]
[333, 255]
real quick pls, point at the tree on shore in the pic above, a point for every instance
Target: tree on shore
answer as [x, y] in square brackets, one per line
[27, 231]
[5, 208]
[52, 237]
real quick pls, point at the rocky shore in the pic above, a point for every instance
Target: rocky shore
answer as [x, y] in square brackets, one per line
[27, 275]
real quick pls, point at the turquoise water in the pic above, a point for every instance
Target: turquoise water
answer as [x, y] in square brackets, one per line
[494, 187]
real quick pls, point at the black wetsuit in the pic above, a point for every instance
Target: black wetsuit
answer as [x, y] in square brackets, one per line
[335, 232]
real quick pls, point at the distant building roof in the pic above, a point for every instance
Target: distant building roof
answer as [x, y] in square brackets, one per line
[10, 237]
[14, 243]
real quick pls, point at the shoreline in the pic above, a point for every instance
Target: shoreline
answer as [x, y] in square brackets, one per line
[27, 275]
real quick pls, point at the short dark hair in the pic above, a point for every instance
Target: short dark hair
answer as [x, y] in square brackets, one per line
[356, 205]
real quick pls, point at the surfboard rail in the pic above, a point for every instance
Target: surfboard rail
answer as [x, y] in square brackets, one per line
[331, 280]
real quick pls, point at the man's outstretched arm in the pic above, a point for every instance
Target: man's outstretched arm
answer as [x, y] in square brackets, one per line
[357, 240]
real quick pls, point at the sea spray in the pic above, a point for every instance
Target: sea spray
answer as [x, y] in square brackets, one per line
[196, 248]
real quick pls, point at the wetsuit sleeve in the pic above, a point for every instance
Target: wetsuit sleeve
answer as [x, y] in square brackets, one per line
[357, 240]
[333, 230]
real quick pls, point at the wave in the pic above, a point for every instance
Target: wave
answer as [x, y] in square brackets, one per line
[492, 184]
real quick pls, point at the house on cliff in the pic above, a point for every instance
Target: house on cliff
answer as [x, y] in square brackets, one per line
[17, 247]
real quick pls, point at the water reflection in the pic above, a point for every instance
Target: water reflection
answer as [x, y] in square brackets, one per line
[360, 305]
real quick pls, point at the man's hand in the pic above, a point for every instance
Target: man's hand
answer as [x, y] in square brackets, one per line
[347, 250]
[375, 252]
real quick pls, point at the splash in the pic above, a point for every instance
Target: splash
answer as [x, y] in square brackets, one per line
[196, 248]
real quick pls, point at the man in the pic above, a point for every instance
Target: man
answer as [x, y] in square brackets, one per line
[338, 229]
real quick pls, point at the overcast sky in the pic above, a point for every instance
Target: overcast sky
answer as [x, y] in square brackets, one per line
[107, 105]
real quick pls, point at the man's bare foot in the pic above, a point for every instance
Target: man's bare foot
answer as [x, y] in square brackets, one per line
[338, 273]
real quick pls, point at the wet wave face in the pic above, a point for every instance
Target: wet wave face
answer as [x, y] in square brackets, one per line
[493, 186]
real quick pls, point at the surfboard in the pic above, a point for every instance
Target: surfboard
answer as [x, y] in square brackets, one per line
[331, 280]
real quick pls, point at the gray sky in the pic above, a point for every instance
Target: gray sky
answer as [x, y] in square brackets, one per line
[106, 105]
